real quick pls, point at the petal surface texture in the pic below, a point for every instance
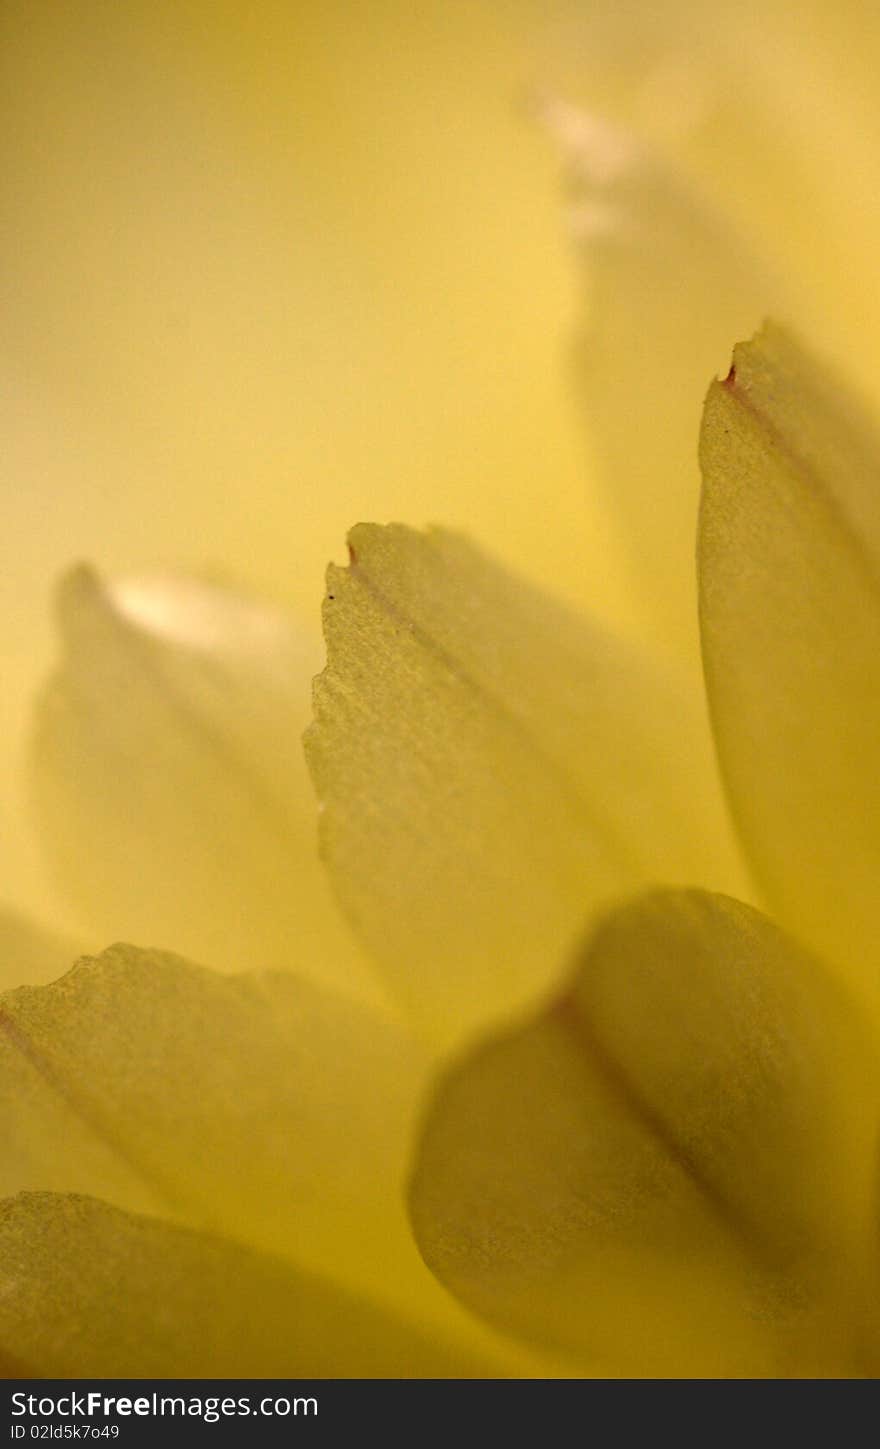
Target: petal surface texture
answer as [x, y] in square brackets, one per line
[89, 1291]
[789, 558]
[641, 1175]
[261, 1107]
[491, 770]
[169, 780]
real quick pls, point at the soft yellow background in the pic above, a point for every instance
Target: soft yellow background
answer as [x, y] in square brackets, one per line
[271, 269]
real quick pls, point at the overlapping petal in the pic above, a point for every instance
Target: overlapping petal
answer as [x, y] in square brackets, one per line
[672, 1167]
[89, 1291]
[492, 770]
[257, 1106]
[167, 767]
[789, 555]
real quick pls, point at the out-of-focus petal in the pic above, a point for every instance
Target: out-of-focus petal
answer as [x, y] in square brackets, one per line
[31, 954]
[772, 110]
[789, 556]
[674, 1164]
[169, 782]
[492, 770]
[89, 1291]
[670, 282]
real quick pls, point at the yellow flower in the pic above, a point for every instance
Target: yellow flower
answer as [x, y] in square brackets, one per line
[638, 1120]
[669, 1167]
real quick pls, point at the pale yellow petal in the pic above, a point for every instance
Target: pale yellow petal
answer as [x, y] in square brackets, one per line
[31, 954]
[88, 1291]
[772, 108]
[260, 1106]
[169, 781]
[492, 770]
[789, 556]
[670, 281]
[672, 1168]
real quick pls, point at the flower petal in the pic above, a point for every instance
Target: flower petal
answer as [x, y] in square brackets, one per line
[789, 556]
[642, 1173]
[89, 1291]
[492, 770]
[169, 781]
[770, 109]
[670, 283]
[258, 1106]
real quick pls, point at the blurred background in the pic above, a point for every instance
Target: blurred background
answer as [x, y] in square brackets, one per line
[271, 269]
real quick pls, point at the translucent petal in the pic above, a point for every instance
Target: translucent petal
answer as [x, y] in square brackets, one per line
[789, 556]
[492, 769]
[168, 776]
[772, 109]
[89, 1291]
[673, 1167]
[670, 282]
[30, 954]
[258, 1106]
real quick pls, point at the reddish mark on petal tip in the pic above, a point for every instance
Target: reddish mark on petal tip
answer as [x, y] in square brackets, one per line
[352, 555]
[730, 380]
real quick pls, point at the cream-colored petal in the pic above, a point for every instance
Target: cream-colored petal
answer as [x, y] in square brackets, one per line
[789, 556]
[168, 776]
[491, 771]
[89, 1291]
[670, 281]
[30, 954]
[671, 1169]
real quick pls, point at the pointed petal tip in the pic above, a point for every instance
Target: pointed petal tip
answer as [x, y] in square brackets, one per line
[448, 680]
[789, 560]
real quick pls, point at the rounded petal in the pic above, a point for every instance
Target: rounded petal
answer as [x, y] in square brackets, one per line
[671, 1169]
